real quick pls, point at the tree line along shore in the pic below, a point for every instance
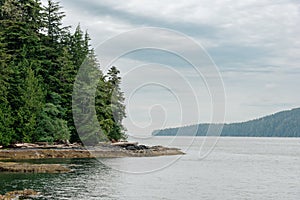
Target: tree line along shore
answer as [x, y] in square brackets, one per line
[39, 61]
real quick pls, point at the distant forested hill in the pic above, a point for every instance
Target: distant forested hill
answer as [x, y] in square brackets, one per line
[282, 124]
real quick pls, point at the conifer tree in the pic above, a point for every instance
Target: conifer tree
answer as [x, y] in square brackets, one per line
[116, 103]
[84, 105]
[32, 98]
[79, 47]
[6, 119]
[52, 22]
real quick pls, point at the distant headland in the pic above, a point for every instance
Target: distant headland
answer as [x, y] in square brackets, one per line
[281, 124]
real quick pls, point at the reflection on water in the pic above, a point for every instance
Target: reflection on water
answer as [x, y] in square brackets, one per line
[79, 184]
[238, 168]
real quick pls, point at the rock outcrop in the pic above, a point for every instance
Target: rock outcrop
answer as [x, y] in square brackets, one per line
[103, 150]
[32, 168]
[23, 194]
[132, 149]
[21, 154]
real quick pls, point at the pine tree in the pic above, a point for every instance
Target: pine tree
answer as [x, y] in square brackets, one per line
[53, 46]
[52, 22]
[51, 127]
[6, 119]
[116, 103]
[19, 30]
[79, 47]
[79, 53]
[32, 97]
[64, 80]
[21, 24]
[103, 108]
[84, 102]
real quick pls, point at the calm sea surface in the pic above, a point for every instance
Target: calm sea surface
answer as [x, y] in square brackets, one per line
[237, 168]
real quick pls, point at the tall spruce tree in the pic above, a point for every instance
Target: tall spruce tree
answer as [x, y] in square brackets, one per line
[84, 102]
[116, 103]
[79, 53]
[79, 47]
[53, 46]
[64, 81]
[6, 119]
[20, 25]
[32, 97]
[52, 22]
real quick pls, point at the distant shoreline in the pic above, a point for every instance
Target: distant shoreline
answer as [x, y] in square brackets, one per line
[281, 124]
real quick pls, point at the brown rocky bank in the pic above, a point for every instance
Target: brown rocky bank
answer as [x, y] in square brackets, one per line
[23, 194]
[114, 150]
[36, 151]
[32, 168]
[104, 150]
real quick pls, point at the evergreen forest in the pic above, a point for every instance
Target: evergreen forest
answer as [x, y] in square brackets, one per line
[39, 60]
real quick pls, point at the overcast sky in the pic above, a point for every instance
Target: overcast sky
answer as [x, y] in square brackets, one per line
[254, 43]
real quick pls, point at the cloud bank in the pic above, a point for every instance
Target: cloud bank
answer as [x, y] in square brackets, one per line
[255, 44]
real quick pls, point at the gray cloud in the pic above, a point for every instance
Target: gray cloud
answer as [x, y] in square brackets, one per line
[256, 45]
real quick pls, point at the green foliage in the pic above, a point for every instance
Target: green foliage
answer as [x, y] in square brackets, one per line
[6, 121]
[117, 106]
[50, 126]
[110, 106]
[52, 21]
[39, 62]
[31, 97]
[83, 101]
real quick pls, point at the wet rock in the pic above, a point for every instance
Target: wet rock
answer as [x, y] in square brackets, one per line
[22, 194]
[124, 144]
[131, 147]
[46, 145]
[143, 147]
[19, 154]
[32, 168]
[103, 150]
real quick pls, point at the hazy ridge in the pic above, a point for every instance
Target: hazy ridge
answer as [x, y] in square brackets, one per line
[281, 124]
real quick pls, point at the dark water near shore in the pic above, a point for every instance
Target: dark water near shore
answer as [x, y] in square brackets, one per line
[237, 168]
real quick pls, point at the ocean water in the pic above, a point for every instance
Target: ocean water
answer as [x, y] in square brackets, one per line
[236, 168]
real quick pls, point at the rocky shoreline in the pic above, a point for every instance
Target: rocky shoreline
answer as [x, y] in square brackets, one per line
[45, 151]
[104, 150]
[23, 194]
[32, 168]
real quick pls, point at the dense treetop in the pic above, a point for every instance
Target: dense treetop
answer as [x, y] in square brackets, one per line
[39, 61]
